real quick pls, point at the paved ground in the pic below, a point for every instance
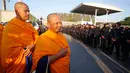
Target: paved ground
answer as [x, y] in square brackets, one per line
[85, 59]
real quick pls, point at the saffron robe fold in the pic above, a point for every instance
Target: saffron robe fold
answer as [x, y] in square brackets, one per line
[49, 43]
[1, 30]
[15, 37]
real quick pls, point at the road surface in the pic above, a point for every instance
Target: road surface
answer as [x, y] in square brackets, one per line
[85, 59]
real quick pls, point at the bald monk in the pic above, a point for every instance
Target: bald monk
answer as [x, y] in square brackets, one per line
[52, 45]
[1, 30]
[18, 40]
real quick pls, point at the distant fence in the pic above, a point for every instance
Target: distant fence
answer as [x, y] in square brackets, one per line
[66, 23]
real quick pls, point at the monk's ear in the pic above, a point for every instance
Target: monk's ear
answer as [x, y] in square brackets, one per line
[48, 25]
[17, 13]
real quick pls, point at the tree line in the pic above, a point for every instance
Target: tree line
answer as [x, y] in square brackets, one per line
[74, 17]
[126, 21]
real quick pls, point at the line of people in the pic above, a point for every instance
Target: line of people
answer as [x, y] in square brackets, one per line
[106, 39]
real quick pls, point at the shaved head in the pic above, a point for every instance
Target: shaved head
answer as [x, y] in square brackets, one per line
[22, 11]
[54, 22]
[49, 17]
[19, 5]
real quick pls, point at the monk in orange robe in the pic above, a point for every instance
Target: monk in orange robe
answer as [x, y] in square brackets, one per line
[18, 40]
[53, 44]
[1, 30]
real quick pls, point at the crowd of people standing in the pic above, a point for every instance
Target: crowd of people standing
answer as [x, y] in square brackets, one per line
[109, 39]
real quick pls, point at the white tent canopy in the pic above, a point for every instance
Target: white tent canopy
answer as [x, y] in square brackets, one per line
[89, 8]
[95, 9]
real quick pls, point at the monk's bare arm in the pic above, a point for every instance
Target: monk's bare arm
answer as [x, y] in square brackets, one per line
[60, 54]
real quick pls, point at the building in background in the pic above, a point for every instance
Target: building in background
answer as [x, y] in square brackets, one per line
[6, 16]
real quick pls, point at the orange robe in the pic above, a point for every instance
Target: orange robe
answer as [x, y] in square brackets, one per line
[49, 43]
[16, 35]
[1, 30]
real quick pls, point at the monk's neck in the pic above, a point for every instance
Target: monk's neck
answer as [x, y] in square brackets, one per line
[20, 19]
[53, 31]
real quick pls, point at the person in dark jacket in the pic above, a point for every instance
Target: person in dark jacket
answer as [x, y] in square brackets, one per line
[117, 38]
[112, 40]
[104, 33]
[96, 36]
[126, 44]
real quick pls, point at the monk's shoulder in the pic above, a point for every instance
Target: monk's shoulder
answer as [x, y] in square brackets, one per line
[1, 27]
[9, 26]
[42, 37]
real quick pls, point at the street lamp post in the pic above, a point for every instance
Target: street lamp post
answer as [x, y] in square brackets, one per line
[96, 11]
[19, 0]
[3, 5]
[107, 12]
